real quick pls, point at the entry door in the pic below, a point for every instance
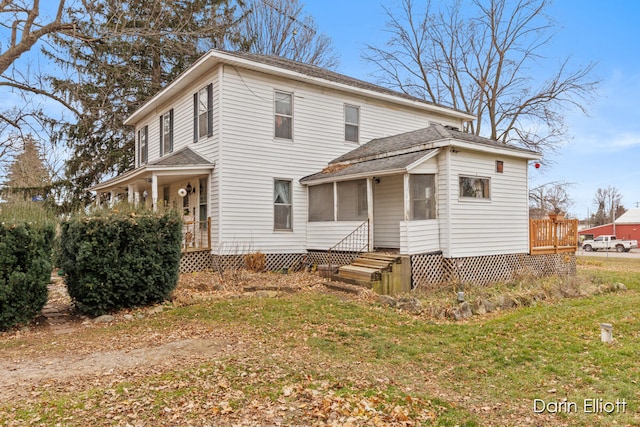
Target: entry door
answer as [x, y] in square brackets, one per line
[388, 211]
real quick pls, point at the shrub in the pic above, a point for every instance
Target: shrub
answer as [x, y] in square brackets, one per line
[27, 234]
[255, 261]
[118, 260]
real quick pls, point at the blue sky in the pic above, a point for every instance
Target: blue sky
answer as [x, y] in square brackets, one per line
[602, 149]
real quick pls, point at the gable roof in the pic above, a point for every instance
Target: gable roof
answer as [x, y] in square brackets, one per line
[632, 216]
[185, 161]
[183, 157]
[397, 153]
[277, 66]
[425, 138]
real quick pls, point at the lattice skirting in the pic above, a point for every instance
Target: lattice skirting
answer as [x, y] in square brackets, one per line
[337, 257]
[195, 261]
[272, 261]
[433, 270]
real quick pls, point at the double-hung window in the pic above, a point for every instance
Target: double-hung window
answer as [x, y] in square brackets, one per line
[203, 113]
[143, 147]
[351, 123]
[166, 133]
[283, 115]
[282, 205]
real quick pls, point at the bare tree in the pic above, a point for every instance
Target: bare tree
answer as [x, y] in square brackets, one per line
[486, 63]
[280, 27]
[552, 197]
[23, 27]
[608, 203]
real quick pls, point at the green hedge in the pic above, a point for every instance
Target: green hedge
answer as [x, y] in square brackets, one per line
[115, 260]
[25, 265]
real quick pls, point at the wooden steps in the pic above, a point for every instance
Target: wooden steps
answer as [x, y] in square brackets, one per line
[383, 272]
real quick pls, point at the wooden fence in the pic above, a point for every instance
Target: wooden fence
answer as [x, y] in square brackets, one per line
[547, 236]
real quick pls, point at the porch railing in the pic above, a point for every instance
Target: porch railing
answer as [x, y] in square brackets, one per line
[348, 248]
[196, 235]
[548, 237]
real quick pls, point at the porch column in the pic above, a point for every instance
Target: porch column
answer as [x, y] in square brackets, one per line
[154, 191]
[370, 211]
[407, 198]
[136, 198]
[130, 193]
[112, 198]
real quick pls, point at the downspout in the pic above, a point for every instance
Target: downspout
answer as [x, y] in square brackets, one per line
[448, 201]
[220, 139]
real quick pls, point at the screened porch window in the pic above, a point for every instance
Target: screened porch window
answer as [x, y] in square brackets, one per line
[282, 206]
[474, 187]
[422, 193]
[352, 200]
[321, 202]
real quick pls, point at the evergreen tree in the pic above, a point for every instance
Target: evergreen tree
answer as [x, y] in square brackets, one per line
[28, 177]
[124, 51]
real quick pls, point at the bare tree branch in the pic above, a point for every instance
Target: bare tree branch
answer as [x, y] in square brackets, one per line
[487, 63]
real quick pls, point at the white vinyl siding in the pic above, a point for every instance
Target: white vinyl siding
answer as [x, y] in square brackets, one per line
[388, 208]
[477, 226]
[418, 237]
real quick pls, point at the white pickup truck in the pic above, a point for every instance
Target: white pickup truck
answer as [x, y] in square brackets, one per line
[607, 242]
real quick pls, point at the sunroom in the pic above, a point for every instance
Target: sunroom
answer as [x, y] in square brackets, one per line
[390, 202]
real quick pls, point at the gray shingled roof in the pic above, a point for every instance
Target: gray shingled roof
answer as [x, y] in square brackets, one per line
[377, 166]
[183, 157]
[416, 140]
[323, 73]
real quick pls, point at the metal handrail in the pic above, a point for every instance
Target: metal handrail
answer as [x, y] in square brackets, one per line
[356, 242]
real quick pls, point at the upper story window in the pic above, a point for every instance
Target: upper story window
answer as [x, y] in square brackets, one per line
[143, 148]
[474, 187]
[166, 133]
[283, 115]
[422, 190]
[203, 113]
[351, 123]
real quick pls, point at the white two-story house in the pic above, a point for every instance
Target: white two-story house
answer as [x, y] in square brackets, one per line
[266, 154]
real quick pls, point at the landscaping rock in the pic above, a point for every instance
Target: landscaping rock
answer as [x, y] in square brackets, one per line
[620, 286]
[412, 305]
[465, 310]
[387, 300]
[478, 307]
[105, 318]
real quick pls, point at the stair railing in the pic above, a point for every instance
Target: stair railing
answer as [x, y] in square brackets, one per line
[352, 245]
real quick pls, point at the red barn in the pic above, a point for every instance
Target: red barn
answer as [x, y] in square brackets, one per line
[625, 227]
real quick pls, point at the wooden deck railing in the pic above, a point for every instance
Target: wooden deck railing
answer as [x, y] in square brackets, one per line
[551, 237]
[196, 235]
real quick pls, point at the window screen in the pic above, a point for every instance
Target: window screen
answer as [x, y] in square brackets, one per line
[352, 200]
[321, 202]
[423, 200]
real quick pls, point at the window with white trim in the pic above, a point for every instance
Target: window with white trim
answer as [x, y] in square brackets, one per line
[351, 123]
[422, 191]
[321, 202]
[166, 133]
[474, 187]
[143, 147]
[283, 115]
[352, 200]
[282, 205]
[203, 113]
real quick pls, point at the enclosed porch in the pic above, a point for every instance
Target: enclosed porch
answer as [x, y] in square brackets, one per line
[385, 204]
